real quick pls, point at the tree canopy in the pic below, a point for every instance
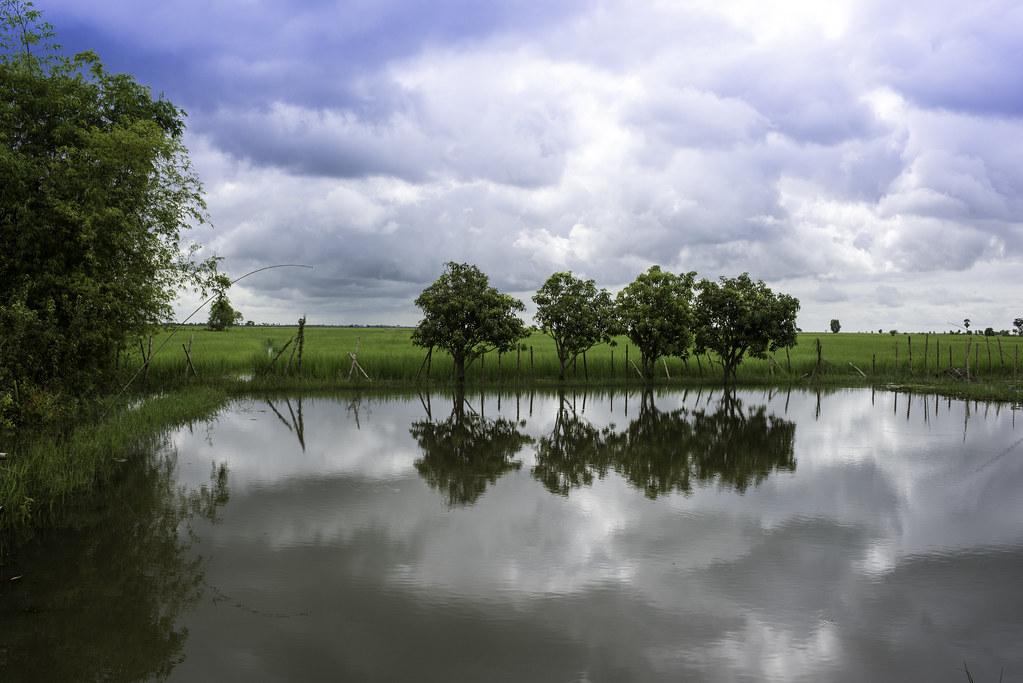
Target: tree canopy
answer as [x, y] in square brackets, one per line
[575, 314]
[222, 313]
[466, 317]
[737, 317]
[655, 311]
[97, 190]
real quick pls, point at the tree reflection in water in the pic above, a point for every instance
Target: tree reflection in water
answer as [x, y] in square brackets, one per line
[666, 451]
[100, 599]
[466, 452]
[574, 453]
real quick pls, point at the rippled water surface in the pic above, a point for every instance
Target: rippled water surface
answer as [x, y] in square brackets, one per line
[674, 536]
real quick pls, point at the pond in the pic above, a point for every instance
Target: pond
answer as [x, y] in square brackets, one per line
[767, 535]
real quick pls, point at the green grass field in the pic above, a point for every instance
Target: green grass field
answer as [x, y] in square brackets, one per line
[388, 356]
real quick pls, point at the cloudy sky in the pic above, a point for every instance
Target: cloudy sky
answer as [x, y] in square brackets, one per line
[863, 156]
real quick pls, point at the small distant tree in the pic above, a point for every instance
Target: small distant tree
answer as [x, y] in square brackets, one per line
[835, 325]
[966, 324]
[655, 312]
[1017, 323]
[466, 317]
[575, 314]
[737, 317]
[893, 332]
[989, 331]
[222, 313]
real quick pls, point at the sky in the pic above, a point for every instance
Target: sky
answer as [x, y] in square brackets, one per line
[861, 156]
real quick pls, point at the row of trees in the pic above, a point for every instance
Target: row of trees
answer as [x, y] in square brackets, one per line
[662, 313]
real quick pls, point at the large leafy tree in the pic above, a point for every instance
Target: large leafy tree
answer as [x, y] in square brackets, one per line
[738, 317]
[655, 311]
[97, 189]
[466, 317]
[575, 314]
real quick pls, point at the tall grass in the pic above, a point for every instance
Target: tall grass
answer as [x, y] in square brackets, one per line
[40, 474]
[387, 354]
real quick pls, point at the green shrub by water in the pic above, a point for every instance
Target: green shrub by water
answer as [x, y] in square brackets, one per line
[41, 474]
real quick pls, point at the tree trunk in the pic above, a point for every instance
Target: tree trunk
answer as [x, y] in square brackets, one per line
[459, 361]
[649, 365]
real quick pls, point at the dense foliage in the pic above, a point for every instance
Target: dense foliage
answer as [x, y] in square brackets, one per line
[739, 317]
[97, 189]
[222, 314]
[575, 314]
[467, 317]
[655, 312]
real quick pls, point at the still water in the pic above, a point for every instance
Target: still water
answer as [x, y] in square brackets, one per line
[673, 536]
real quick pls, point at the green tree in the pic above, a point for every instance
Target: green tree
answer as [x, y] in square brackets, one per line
[575, 314]
[96, 191]
[739, 317]
[222, 313]
[836, 326]
[466, 317]
[655, 311]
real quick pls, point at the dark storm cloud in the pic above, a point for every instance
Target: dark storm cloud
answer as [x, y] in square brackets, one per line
[308, 51]
[965, 57]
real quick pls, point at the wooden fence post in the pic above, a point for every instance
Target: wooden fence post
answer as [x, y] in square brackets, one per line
[301, 341]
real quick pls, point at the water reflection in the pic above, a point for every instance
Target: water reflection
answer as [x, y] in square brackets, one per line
[892, 552]
[665, 451]
[465, 452]
[101, 599]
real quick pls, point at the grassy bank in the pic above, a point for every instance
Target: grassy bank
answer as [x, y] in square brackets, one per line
[41, 474]
[911, 361]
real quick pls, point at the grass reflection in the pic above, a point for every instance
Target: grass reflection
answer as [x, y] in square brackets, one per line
[101, 595]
